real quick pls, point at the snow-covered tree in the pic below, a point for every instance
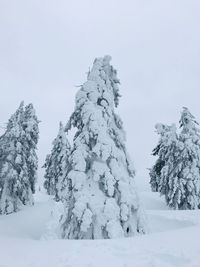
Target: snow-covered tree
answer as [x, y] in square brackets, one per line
[163, 150]
[30, 126]
[101, 198]
[15, 186]
[169, 153]
[178, 177]
[56, 165]
[184, 180]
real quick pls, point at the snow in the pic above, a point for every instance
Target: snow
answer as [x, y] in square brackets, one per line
[173, 239]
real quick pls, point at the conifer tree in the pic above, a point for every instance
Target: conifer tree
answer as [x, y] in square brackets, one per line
[30, 126]
[101, 198]
[163, 150]
[178, 177]
[169, 153]
[15, 188]
[155, 171]
[56, 165]
[184, 180]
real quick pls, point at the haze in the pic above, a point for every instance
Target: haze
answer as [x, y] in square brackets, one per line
[46, 48]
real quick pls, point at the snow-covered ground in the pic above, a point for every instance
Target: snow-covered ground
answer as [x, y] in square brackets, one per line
[174, 240]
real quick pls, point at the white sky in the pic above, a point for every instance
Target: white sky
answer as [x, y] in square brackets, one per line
[47, 46]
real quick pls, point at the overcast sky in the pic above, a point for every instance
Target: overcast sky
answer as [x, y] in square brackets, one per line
[47, 46]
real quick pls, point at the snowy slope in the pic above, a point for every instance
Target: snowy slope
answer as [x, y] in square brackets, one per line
[174, 240]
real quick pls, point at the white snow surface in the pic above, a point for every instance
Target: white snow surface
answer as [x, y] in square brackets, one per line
[27, 240]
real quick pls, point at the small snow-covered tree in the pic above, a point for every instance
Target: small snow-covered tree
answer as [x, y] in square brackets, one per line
[184, 180]
[30, 126]
[178, 175]
[169, 153]
[101, 198]
[164, 150]
[56, 165]
[15, 186]
[155, 171]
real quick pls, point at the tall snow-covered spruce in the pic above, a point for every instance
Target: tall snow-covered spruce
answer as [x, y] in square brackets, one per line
[101, 198]
[15, 185]
[56, 165]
